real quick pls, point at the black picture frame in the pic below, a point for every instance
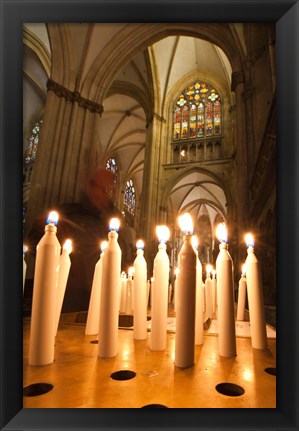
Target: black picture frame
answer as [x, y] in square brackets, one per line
[285, 14]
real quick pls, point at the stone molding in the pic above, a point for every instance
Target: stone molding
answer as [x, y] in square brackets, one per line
[74, 96]
[157, 117]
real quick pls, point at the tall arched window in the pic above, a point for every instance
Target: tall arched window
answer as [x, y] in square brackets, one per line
[130, 203]
[31, 149]
[197, 123]
[111, 166]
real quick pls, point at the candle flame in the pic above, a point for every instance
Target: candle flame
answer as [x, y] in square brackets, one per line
[249, 240]
[140, 244]
[114, 224]
[103, 245]
[176, 271]
[186, 223]
[209, 268]
[131, 271]
[221, 232]
[194, 242]
[52, 218]
[163, 233]
[68, 246]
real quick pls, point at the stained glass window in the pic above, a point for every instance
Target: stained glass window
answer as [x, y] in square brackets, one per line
[111, 166]
[33, 142]
[130, 203]
[197, 112]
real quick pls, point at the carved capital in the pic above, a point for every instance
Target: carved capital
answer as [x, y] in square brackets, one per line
[74, 96]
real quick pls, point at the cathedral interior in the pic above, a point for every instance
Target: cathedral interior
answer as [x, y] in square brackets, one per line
[161, 119]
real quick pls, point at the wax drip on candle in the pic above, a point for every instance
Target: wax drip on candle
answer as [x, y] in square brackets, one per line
[249, 240]
[163, 234]
[68, 246]
[114, 224]
[186, 223]
[221, 232]
[52, 218]
[140, 244]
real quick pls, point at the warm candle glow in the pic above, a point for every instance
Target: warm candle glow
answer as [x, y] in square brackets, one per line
[131, 271]
[140, 244]
[25, 248]
[68, 246]
[186, 223]
[243, 269]
[221, 232]
[163, 233]
[176, 271]
[209, 269]
[52, 218]
[194, 242]
[103, 245]
[249, 240]
[214, 273]
[114, 224]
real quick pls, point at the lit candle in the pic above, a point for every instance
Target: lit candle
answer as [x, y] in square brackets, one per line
[186, 297]
[109, 302]
[63, 273]
[123, 292]
[225, 297]
[43, 315]
[129, 292]
[199, 296]
[209, 294]
[140, 294]
[214, 291]
[25, 248]
[93, 315]
[255, 297]
[160, 292]
[242, 296]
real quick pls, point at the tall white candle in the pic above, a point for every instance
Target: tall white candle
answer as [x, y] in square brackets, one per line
[186, 298]
[129, 291]
[43, 315]
[123, 292]
[176, 271]
[93, 315]
[108, 324]
[255, 298]
[242, 296]
[209, 294]
[160, 292]
[199, 297]
[225, 295]
[140, 294]
[63, 273]
[25, 248]
[214, 291]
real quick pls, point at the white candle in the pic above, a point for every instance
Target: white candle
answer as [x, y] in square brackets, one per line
[214, 291]
[123, 292]
[225, 295]
[199, 297]
[160, 292]
[25, 248]
[63, 273]
[209, 294]
[43, 315]
[140, 294]
[255, 298]
[129, 291]
[242, 296]
[93, 315]
[186, 298]
[176, 271]
[111, 269]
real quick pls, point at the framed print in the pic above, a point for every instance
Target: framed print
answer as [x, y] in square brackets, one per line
[171, 119]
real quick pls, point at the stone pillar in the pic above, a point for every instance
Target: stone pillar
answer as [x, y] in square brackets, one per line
[62, 156]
